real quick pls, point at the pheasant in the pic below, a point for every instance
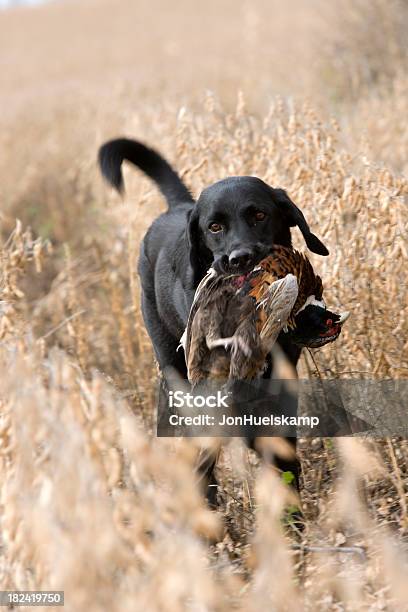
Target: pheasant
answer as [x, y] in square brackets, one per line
[236, 319]
[310, 323]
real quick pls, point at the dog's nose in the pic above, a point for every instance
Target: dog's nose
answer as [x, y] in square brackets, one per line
[240, 258]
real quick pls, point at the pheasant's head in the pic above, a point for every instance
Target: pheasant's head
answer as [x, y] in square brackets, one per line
[316, 326]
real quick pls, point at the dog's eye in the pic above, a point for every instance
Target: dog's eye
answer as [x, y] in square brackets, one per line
[215, 228]
[259, 215]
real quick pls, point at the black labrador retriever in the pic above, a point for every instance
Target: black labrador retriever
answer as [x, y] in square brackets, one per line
[234, 223]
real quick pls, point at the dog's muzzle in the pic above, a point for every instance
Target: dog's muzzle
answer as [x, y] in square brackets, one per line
[240, 261]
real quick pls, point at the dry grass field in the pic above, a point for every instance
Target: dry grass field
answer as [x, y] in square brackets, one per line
[308, 97]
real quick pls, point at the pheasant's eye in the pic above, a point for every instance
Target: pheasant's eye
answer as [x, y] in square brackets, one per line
[260, 215]
[215, 228]
[329, 322]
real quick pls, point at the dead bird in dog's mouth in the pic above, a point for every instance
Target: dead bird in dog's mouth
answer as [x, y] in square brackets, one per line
[236, 319]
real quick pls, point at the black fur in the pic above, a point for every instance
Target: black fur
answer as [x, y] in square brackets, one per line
[112, 154]
[179, 248]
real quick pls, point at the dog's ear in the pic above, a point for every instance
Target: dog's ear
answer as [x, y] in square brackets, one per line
[200, 256]
[295, 217]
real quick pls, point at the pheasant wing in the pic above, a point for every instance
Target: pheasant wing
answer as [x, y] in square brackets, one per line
[204, 292]
[278, 305]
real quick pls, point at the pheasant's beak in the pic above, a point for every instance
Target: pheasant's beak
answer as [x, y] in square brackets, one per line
[343, 317]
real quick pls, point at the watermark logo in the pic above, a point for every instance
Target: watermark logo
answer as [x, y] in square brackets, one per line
[180, 399]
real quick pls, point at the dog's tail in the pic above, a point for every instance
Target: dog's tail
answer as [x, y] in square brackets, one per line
[113, 153]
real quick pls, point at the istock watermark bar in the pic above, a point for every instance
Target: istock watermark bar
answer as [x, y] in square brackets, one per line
[302, 408]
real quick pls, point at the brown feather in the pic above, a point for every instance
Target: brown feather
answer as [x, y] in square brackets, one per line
[253, 312]
[278, 264]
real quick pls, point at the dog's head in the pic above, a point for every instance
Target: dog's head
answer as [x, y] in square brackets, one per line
[237, 220]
